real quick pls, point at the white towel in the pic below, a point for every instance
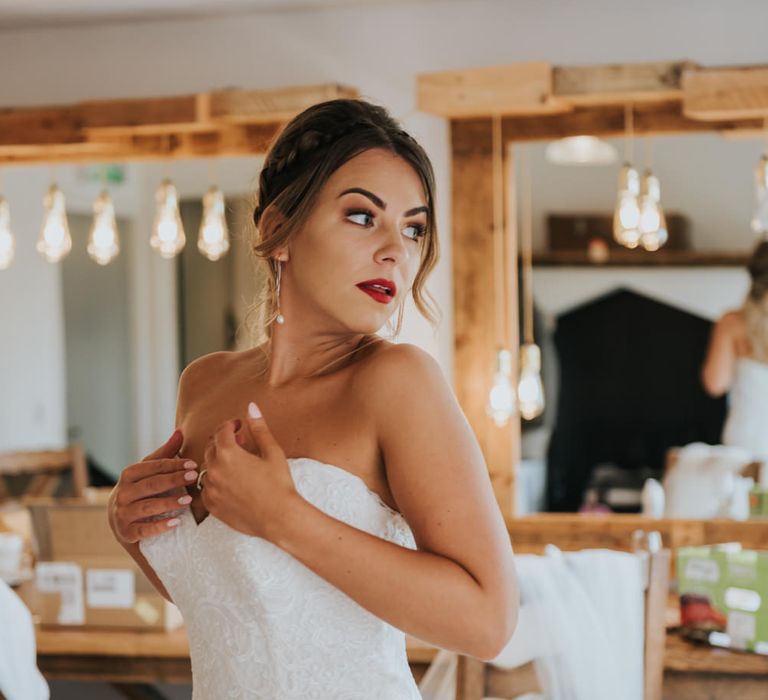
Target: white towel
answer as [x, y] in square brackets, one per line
[19, 676]
[581, 622]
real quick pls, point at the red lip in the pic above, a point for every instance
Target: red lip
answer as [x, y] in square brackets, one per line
[377, 294]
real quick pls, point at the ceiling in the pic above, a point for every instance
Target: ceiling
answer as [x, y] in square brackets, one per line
[49, 13]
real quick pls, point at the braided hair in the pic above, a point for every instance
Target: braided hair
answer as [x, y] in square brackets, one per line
[755, 307]
[308, 150]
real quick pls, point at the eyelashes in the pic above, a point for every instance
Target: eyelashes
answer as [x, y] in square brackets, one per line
[421, 229]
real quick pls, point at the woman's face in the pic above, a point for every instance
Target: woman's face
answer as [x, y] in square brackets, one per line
[368, 223]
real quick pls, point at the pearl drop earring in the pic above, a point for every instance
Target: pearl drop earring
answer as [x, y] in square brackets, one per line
[279, 318]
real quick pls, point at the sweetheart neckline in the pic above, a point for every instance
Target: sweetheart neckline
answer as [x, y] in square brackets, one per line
[335, 467]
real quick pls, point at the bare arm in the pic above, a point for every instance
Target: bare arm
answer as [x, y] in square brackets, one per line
[718, 368]
[459, 589]
[151, 488]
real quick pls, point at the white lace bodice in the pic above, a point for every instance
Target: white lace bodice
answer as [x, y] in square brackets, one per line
[262, 626]
[747, 422]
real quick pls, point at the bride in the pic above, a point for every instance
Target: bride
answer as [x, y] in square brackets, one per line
[737, 362]
[323, 492]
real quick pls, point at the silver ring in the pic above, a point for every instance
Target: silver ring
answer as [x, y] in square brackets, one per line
[200, 476]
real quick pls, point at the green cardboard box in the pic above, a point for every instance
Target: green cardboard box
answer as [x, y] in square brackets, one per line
[724, 595]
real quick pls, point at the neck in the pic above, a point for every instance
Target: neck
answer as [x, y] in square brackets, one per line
[294, 355]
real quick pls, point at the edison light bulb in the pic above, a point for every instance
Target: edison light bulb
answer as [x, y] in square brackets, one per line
[213, 240]
[760, 217]
[7, 244]
[168, 232]
[626, 216]
[103, 244]
[653, 223]
[530, 389]
[54, 242]
[501, 399]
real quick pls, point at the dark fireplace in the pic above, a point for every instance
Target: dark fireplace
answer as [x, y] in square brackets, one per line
[629, 389]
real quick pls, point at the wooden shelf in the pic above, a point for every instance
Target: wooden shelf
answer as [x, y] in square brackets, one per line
[642, 258]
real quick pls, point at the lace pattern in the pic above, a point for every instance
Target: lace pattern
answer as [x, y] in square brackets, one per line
[262, 626]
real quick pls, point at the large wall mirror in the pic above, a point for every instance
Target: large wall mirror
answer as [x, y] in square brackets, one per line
[623, 344]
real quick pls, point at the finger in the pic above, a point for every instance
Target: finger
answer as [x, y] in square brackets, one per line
[260, 433]
[224, 438]
[169, 449]
[152, 507]
[140, 531]
[142, 470]
[155, 485]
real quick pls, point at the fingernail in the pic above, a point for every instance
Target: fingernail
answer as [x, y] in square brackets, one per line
[184, 500]
[189, 464]
[173, 522]
[190, 476]
[175, 433]
[253, 410]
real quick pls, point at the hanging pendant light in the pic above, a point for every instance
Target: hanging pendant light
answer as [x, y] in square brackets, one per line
[103, 242]
[653, 223]
[168, 232]
[501, 399]
[626, 215]
[759, 221]
[530, 388]
[7, 243]
[213, 240]
[501, 404]
[55, 241]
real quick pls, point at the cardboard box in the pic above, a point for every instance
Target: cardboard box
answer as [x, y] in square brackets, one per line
[724, 595]
[84, 577]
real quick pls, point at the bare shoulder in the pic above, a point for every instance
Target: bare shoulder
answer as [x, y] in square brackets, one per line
[402, 365]
[732, 321]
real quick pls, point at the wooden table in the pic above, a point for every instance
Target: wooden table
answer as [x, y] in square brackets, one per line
[133, 660]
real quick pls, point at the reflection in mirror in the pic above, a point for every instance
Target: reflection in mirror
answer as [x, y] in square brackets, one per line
[92, 354]
[624, 343]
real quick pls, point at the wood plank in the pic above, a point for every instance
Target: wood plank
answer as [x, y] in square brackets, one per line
[620, 83]
[259, 106]
[650, 119]
[717, 94]
[475, 343]
[221, 123]
[642, 258]
[520, 88]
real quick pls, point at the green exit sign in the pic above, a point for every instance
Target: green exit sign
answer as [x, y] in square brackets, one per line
[107, 173]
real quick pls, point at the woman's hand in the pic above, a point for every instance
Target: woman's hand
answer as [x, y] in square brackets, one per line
[150, 493]
[249, 492]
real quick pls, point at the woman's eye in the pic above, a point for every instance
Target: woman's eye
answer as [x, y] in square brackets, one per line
[360, 213]
[417, 230]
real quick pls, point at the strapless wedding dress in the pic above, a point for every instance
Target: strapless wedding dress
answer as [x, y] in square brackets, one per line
[262, 626]
[747, 422]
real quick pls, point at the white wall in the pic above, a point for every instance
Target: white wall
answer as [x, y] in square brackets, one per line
[379, 49]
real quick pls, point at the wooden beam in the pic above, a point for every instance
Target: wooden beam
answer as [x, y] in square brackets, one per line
[520, 88]
[620, 83]
[260, 106]
[718, 94]
[474, 320]
[226, 122]
[608, 121]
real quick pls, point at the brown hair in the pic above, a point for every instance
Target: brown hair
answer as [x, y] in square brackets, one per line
[755, 308]
[311, 147]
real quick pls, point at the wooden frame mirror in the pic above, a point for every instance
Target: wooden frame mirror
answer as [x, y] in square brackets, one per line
[537, 102]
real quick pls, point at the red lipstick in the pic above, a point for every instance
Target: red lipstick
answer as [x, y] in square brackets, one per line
[382, 290]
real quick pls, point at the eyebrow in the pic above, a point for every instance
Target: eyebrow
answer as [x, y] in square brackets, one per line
[380, 203]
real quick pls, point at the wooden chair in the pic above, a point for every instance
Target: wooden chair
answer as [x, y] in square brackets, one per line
[476, 679]
[48, 470]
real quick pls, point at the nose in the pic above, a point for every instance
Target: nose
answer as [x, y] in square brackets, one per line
[392, 245]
